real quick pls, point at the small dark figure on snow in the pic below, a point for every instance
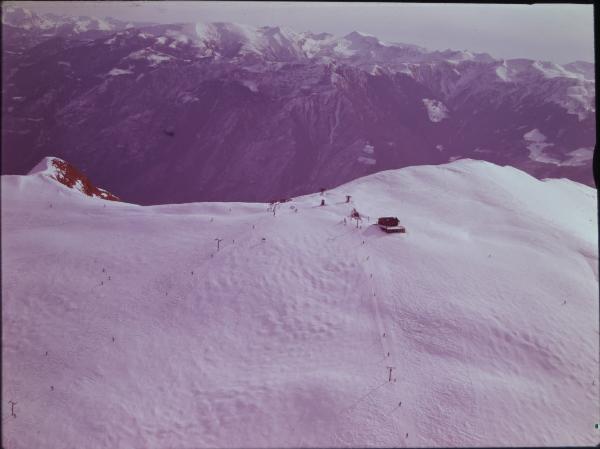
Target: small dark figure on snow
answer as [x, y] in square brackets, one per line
[390, 376]
[348, 198]
[12, 408]
[355, 215]
[322, 203]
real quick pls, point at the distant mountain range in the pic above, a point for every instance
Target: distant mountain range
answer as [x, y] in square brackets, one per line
[228, 112]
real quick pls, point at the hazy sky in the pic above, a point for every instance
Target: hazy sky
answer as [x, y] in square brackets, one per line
[560, 33]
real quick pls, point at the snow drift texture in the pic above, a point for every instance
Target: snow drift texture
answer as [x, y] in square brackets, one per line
[228, 112]
[124, 327]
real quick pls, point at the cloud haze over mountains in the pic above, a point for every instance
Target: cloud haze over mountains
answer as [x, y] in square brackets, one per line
[558, 33]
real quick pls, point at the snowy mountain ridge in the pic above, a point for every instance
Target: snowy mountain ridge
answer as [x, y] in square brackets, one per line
[304, 328]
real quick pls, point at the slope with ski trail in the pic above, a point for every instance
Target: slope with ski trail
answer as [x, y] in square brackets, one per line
[124, 326]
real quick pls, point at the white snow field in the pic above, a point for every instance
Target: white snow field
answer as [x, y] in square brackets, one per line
[124, 327]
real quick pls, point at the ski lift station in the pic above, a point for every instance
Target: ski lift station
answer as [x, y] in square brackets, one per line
[390, 224]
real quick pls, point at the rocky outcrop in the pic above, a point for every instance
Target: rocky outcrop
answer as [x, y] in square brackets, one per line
[71, 177]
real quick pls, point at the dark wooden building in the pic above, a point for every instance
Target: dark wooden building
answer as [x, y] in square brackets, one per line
[390, 224]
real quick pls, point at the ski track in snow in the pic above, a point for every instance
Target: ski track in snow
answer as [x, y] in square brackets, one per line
[280, 343]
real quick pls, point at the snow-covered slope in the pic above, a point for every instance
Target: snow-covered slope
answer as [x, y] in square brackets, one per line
[123, 326]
